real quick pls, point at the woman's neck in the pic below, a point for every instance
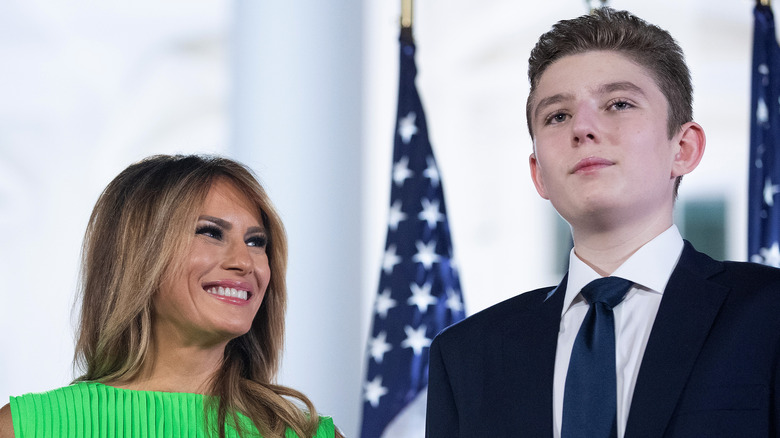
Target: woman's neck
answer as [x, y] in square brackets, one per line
[176, 368]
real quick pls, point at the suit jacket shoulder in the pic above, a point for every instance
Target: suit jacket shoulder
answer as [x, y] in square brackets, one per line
[710, 366]
[493, 318]
[479, 381]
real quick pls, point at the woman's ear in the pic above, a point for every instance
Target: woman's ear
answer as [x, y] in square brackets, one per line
[689, 148]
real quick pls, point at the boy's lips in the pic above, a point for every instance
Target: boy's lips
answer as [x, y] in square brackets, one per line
[591, 163]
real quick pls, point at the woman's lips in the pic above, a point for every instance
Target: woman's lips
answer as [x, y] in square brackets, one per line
[236, 292]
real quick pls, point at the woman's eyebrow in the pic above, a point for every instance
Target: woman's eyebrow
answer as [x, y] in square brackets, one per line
[221, 222]
[228, 226]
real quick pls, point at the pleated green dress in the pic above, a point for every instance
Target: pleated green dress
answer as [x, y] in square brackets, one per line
[91, 409]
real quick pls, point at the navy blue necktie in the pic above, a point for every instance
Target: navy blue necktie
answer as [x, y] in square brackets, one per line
[590, 394]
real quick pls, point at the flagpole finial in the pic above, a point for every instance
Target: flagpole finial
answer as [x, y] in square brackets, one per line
[764, 2]
[407, 7]
[596, 4]
[406, 13]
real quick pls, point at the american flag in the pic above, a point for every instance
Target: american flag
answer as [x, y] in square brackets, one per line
[419, 291]
[764, 184]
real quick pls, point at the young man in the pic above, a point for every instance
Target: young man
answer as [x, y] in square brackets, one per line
[688, 346]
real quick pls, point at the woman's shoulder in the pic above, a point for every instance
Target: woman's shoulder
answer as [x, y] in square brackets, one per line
[325, 429]
[6, 423]
[328, 429]
[94, 405]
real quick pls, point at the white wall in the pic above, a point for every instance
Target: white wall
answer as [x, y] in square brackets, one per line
[86, 89]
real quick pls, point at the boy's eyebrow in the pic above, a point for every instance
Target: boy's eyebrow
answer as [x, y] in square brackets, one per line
[620, 86]
[602, 89]
[555, 98]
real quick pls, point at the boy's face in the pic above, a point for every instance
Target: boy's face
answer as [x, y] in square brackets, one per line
[601, 150]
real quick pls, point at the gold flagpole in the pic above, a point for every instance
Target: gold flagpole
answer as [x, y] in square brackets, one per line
[407, 7]
[406, 13]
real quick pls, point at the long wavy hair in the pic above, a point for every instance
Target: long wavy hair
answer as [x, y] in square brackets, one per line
[142, 222]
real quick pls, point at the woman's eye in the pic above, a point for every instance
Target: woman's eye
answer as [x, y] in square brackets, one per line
[259, 241]
[209, 231]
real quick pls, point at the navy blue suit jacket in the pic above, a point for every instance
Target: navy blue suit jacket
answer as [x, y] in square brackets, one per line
[710, 368]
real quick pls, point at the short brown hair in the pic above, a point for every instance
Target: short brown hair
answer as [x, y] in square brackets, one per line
[646, 44]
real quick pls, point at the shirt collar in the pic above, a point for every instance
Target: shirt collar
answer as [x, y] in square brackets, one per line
[650, 266]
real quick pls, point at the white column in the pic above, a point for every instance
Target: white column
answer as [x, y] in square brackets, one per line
[296, 103]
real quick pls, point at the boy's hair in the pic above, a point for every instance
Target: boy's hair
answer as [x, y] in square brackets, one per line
[645, 44]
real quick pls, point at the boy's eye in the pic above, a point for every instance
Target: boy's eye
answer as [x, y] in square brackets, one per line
[556, 118]
[620, 105]
[209, 231]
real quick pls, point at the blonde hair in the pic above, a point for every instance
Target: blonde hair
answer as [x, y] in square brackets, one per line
[143, 219]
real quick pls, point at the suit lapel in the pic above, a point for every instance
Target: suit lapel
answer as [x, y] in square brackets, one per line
[529, 344]
[688, 309]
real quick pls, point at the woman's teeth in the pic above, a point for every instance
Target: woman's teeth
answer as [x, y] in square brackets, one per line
[228, 292]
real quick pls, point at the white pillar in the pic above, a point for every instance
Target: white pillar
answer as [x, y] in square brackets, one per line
[296, 103]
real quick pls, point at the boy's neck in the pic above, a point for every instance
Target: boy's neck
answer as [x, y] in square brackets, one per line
[605, 250]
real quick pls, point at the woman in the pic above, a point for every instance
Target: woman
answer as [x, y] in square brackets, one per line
[182, 314]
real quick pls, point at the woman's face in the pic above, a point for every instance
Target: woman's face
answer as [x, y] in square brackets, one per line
[221, 278]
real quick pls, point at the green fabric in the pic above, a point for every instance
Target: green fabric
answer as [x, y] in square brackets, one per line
[92, 409]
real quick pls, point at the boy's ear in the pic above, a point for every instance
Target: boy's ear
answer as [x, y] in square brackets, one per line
[536, 176]
[689, 148]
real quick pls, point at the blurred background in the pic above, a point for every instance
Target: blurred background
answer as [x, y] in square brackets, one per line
[304, 92]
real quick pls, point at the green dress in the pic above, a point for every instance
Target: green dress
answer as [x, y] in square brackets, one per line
[91, 409]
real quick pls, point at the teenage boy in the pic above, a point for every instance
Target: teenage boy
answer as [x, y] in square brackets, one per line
[645, 336]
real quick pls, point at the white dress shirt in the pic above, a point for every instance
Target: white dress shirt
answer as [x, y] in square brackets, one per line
[649, 268]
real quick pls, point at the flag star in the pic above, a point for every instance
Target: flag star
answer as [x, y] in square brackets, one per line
[771, 255]
[374, 390]
[379, 346]
[430, 212]
[431, 172]
[401, 171]
[384, 303]
[396, 215]
[426, 253]
[415, 339]
[407, 127]
[390, 260]
[453, 301]
[421, 296]
[770, 191]
[762, 112]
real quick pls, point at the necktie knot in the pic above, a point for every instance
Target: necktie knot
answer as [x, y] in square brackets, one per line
[607, 290]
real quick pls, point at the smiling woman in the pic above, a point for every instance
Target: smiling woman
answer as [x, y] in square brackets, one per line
[182, 317]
